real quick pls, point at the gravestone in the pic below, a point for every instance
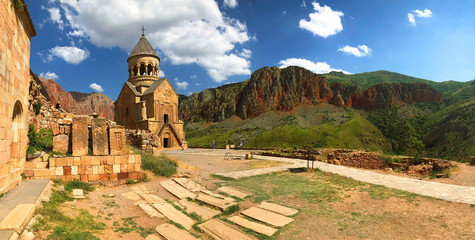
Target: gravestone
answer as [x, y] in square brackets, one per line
[117, 140]
[80, 136]
[100, 143]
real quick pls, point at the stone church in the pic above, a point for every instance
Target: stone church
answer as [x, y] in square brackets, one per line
[147, 101]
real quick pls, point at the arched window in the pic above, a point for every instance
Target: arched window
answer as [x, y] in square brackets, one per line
[142, 69]
[135, 71]
[150, 69]
[16, 135]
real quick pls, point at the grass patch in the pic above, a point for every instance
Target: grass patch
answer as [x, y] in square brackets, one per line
[231, 210]
[256, 164]
[76, 184]
[219, 177]
[129, 225]
[160, 166]
[380, 192]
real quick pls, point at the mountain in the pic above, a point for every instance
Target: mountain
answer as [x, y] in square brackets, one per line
[76, 102]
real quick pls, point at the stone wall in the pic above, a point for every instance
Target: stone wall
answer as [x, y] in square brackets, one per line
[87, 168]
[16, 30]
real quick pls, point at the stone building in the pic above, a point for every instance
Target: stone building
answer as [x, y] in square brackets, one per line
[16, 31]
[147, 101]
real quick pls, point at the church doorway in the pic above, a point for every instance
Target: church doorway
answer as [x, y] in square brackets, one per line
[167, 143]
[16, 127]
[165, 118]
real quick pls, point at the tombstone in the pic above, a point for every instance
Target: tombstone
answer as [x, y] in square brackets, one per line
[100, 143]
[117, 140]
[80, 136]
[61, 143]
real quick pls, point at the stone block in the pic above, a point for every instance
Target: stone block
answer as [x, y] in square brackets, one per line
[69, 161]
[100, 143]
[52, 170]
[121, 176]
[81, 170]
[52, 162]
[74, 170]
[59, 171]
[131, 159]
[104, 177]
[137, 167]
[124, 160]
[113, 176]
[67, 170]
[101, 169]
[123, 168]
[117, 159]
[130, 167]
[116, 168]
[138, 159]
[117, 140]
[84, 178]
[68, 177]
[41, 172]
[76, 161]
[88, 170]
[86, 160]
[133, 175]
[108, 169]
[95, 161]
[60, 162]
[94, 177]
[103, 160]
[61, 143]
[55, 128]
[95, 170]
[110, 160]
[29, 172]
[80, 136]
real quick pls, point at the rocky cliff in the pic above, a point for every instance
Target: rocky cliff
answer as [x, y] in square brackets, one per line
[75, 102]
[271, 88]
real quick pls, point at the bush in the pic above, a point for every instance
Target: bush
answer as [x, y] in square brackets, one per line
[160, 166]
[69, 186]
[386, 158]
[42, 141]
[38, 107]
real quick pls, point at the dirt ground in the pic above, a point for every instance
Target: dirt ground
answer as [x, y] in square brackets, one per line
[358, 215]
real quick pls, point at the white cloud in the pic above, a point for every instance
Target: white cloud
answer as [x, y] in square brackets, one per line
[420, 14]
[184, 31]
[284, 12]
[96, 87]
[323, 22]
[230, 3]
[316, 67]
[193, 76]
[182, 85]
[246, 53]
[71, 55]
[49, 75]
[161, 74]
[303, 4]
[360, 51]
[55, 17]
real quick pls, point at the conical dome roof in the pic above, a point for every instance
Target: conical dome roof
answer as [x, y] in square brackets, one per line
[143, 47]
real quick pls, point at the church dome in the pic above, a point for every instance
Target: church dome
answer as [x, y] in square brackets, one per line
[143, 48]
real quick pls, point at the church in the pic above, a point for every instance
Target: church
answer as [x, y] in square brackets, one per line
[147, 101]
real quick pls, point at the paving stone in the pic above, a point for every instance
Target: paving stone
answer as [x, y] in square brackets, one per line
[175, 215]
[131, 196]
[189, 184]
[150, 198]
[78, 193]
[268, 217]
[177, 190]
[149, 210]
[8, 235]
[171, 232]
[220, 230]
[208, 192]
[254, 226]
[233, 192]
[204, 212]
[286, 211]
[216, 202]
[18, 217]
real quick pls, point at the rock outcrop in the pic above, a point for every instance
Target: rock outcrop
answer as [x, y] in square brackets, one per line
[95, 103]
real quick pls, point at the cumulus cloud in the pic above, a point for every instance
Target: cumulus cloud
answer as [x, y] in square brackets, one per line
[161, 74]
[49, 75]
[316, 67]
[182, 85]
[323, 22]
[420, 14]
[360, 51]
[55, 17]
[72, 55]
[193, 76]
[230, 3]
[185, 31]
[246, 53]
[96, 87]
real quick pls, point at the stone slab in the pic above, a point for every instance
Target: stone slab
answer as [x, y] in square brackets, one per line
[220, 230]
[80, 136]
[208, 192]
[150, 198]
[8, 235]
[18, 218]
[78, 193]
[61, 143]
[117, 140]
[189, 184]
[100, 142]
[175, 215]
[149, 210]
[131, 196]
[268, 217]
[153, 237]
[286, 211]
[254, 226]
[216, 202]
[204, 212]
[177, 190]
[233, 192]
[171, 232]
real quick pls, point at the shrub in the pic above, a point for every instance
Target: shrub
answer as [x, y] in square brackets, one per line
[69, 186]
[40, 141]
[160, 166]
[38, 106]
[386, 158]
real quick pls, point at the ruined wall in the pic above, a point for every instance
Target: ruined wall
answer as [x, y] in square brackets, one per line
[16, 29]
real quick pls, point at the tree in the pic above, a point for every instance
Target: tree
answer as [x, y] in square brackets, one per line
[416, 148]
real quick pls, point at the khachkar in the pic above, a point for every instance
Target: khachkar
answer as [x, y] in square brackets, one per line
[80, 136]
[147, 101]
[100, 144]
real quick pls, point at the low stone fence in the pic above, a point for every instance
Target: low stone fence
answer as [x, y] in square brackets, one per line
[87, 168]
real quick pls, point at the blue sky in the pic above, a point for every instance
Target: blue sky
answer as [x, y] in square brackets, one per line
[84, 44]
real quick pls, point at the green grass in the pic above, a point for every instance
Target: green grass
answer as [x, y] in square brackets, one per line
[76, 184]
[160, 166]
[380, 192]
[129, 225]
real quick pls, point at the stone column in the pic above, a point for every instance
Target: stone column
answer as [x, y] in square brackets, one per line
[100, 143]
[80, 136]
[117, 140]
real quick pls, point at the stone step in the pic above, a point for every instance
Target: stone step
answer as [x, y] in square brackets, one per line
[208, 192]
[220, 230]
[286, 211]
[268, 217]
[233, 192]
[171, 232]
[254, 226]
[18, 218]
[204, 212]
[177, 190]
[216, 202]
[175, 215]
[150, 211]
[189, 184]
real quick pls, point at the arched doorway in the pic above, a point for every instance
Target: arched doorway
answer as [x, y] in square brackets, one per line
[167, 140]
[17, 117]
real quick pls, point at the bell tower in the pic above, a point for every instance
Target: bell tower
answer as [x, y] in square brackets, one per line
[143, 64]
